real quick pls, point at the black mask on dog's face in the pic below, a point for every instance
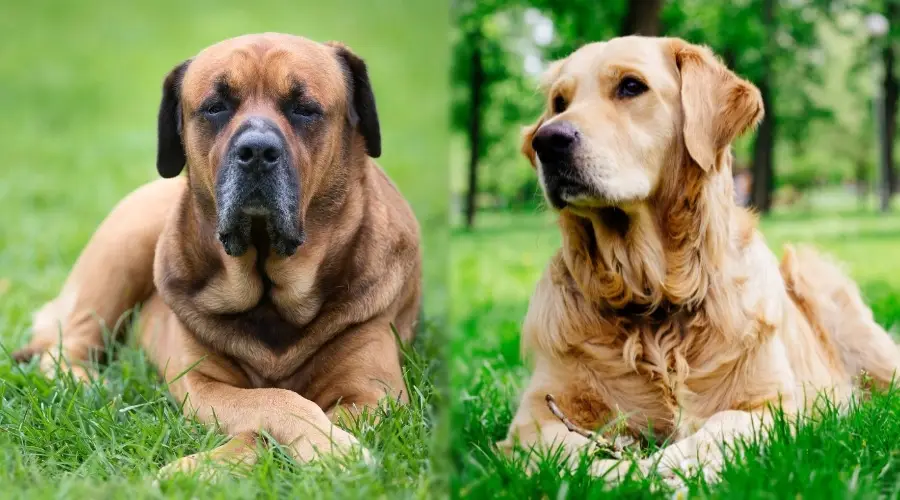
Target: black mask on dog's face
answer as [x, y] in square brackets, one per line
[265, 133]
[257, 189]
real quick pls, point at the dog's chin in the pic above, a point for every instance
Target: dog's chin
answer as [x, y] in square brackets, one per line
[581, 197]
[258, 227]
[573, 195]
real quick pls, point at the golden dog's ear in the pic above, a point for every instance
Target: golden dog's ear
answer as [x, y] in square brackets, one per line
[363, 113]
[528, 136]
[718, 106]
[170, 155]
[547, 79]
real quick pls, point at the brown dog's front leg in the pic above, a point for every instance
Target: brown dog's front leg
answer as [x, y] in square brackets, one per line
[363, 369]
[293, 421]
[113, 273]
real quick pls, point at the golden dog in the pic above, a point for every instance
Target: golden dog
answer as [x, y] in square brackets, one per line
[273, 271]
[664, 305]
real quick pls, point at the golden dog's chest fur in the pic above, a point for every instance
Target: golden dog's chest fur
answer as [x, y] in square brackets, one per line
[748, 335]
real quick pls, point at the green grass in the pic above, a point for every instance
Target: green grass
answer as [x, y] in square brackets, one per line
[81, 87]
[493, 272]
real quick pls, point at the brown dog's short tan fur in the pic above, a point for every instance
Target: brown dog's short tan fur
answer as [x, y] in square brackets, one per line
[277, 326]
[664, 305]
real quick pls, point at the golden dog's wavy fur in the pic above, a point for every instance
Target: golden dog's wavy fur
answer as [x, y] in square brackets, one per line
[683, 323]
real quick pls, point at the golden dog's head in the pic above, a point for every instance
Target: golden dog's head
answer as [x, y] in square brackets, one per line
[621, 114]
[270, 127]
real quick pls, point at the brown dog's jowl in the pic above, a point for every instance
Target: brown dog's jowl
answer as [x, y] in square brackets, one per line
[274, 271]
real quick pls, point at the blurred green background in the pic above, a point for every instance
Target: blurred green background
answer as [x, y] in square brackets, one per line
[80, 84]
[818, 169]
[823, 66]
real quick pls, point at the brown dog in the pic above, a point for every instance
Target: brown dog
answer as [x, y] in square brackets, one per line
[272, 272]
[664, 306]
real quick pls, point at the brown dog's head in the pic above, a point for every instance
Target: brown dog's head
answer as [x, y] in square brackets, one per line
[620, 115]
[268, 126]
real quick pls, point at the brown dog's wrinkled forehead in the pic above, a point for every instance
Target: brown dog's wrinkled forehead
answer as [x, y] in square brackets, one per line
[271, 64]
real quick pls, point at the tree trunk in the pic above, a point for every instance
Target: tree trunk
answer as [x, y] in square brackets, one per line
[476, 91]
[763, 153]
[764, 144]
[730, 57]
[642, 18]
[890, 93]
[862, 184]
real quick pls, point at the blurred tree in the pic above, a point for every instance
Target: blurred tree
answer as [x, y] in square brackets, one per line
[882, 27]
[777, 44]
[762, 168]
[479, 63]
[642, 18]
[890, 93]
[476, 96]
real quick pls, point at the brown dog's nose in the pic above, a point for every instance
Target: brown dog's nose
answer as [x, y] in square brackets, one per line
[258, 150]
[555, 141]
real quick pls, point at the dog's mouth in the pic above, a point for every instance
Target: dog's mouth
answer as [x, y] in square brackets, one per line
[564, 191]
[258, 192]
[261, 231]
[262, 214]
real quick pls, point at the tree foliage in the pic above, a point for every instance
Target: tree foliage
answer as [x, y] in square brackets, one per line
[791, 54]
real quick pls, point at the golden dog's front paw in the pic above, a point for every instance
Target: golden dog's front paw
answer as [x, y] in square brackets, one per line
[615, 471]
[674, 475]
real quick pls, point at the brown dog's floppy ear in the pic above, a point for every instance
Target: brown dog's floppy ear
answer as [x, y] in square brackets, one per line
[363, 113]
[718, 105]
[170, 155]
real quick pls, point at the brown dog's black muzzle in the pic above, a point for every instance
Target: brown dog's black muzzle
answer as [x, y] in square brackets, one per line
[258, 187]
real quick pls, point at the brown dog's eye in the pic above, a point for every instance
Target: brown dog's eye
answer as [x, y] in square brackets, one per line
[305, 110]
[216, 108]
[559, 104]
[630, 87]
[217, 112]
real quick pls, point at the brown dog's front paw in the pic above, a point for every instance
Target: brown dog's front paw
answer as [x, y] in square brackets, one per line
[197, 465]
[234, 457]
[339, 444]
[204, 467]
[53, 364]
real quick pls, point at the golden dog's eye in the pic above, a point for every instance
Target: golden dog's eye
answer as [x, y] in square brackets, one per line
[630, 87]
[559, 104]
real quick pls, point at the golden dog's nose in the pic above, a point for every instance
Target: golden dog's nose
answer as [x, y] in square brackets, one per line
[555, 141]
